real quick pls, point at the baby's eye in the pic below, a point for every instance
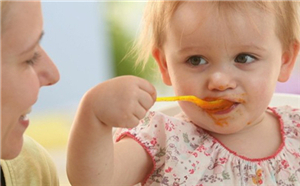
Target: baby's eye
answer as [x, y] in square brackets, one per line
[196, 60]
[244, 58]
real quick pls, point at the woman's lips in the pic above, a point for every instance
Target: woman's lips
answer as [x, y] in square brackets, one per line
[24, 120]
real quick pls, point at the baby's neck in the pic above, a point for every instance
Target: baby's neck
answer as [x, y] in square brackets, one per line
[258, 141]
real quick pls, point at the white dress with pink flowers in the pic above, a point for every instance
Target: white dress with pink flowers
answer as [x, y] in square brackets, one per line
[184, 154]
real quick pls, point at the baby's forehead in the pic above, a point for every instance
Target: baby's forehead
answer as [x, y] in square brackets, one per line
[202, 26]
[284, 14]
[194, 9]
[192, 16]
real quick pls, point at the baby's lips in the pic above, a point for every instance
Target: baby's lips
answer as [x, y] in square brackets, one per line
[229, 99]
[223, 104]
[211, 98]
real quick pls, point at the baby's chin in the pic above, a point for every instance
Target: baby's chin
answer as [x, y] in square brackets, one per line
[215, 129]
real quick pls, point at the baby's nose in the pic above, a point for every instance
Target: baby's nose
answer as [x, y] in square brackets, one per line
[221, 81]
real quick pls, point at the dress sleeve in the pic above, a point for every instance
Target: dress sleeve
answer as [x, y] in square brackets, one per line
[151, 135]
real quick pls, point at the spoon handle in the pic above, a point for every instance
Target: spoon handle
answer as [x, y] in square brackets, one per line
[193, 99]
[207, 105]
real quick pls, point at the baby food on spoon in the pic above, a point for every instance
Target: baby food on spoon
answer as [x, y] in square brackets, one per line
[212, 106]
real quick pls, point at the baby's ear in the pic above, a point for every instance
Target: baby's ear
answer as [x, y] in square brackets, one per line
[160, 59]
[289, 58]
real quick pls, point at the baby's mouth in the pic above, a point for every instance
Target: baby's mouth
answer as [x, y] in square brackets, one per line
[221, 108]
[223, 104]
[226, 106]
[225, 110]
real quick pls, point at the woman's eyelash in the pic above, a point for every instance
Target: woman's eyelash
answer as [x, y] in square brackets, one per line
[33, 60]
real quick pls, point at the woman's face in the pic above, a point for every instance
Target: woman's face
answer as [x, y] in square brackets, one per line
[25, 68]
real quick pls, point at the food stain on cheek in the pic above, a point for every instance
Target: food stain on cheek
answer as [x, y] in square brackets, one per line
[219, 121]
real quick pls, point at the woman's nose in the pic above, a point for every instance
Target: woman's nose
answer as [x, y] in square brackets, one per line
[221, 81]
[47, 70]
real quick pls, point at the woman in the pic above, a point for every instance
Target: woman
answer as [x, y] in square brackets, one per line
[25, 68]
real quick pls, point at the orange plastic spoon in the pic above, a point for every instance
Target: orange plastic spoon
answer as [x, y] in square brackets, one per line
[213, 106]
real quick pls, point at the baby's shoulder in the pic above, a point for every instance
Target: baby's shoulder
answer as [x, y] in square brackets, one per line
[288, 115]
[290, 122]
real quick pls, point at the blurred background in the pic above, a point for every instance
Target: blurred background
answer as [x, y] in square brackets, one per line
[88, 42]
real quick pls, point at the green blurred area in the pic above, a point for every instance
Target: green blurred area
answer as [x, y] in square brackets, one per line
[123, 20]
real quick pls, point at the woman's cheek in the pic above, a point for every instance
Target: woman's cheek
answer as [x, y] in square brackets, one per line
[30, 91]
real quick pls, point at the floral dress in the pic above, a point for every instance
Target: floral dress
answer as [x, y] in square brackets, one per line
[184, 154]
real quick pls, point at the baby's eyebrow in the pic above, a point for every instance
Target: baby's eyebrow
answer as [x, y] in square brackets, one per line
[257, 47]
[189, 48]
[35, 43]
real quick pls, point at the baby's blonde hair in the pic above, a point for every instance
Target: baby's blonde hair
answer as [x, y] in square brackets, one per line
[158, 13]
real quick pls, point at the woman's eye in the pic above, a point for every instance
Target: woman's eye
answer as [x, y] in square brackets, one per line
[33, 60]
[244, 58]
[196, 60]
